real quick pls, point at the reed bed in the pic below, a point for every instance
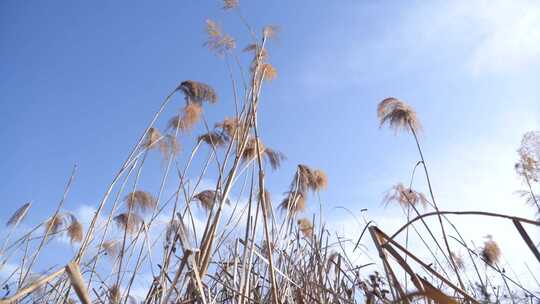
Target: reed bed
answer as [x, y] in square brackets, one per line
[247, 248]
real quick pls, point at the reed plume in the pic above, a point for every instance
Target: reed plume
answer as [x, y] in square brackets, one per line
[170, 146]
[269, 71]
[250, 151]
[206, 198]
[491, 252]
[307, 178]
[404, 196]
[55, 223]
[191, 114]
[153, 138]
[197, 92]
[129, 222]
[19, 215]
[294, 202]
[274, 158]
[74, 230]
[230, 4]
[213, 138]
[230, 127]
[528, 165]
[305, 226]
[140, 201]
[110, 247]
[217, 41]
[398, 115]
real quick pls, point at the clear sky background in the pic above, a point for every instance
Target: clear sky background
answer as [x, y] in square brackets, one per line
[79, 81]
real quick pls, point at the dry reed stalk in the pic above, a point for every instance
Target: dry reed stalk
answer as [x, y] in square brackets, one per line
[74, 274]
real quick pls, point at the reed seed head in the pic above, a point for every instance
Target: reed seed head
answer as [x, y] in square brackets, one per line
[250, 150]
[55, 223]
[491, 252]
[207, 198]
[140, 201]
[129, 222]
[75, 230]
[306, 227]
[217, 41]
[191, 114]
[294, 202]
[197, 92]
[398, 115]
[214, 138]
[274, 158]
[19, 215]
[528, 165]
[230, 4]
[404, 196]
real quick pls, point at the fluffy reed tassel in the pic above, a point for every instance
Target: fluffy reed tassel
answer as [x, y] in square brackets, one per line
[110, 247]
[319, 180]
[169, 147]
[19, 215]
[197, 92]
[294, 202]
[190, 116]
[398, 115]
[528, 165]
[217, 41]
[140, 201]
[153, 138]
[55, 223]
[404, 196]
[230, 4]
[306, 227]
[206, 198]
[309, 179]
[491, 252]
[130, 222]
[250, 151]
[75, 230]
[274, 158]
[213, 138]
[230, 126]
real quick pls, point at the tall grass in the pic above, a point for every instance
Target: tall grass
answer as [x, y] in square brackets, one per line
[248, 248]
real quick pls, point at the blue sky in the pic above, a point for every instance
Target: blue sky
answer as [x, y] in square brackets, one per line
[80, 81]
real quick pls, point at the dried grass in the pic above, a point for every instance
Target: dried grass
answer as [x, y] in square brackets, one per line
[230, 4]
[213, 138]
[111, 248]
[19, 215]
[306, 227]
[55, 223]
[230, 126]
[190, 116]
[140, 201]
[398, 115]
[274, 158]
[404, 196]
[491, 253]
[129, 222]
[217, 41]
[197, 92]
[250, 151]
[294, 202]
[75, 230]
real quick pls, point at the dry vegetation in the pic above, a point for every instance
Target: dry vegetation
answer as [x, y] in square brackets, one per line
[251, 250]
